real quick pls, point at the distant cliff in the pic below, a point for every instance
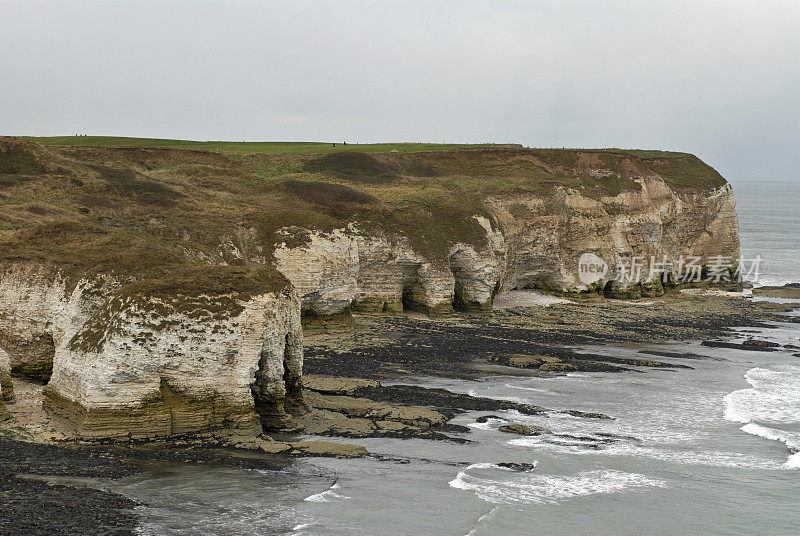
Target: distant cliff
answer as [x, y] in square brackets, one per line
[529, 241]
[161, 282]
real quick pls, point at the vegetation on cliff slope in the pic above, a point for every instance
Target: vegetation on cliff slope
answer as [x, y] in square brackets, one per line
[154, 212]
[272, 147]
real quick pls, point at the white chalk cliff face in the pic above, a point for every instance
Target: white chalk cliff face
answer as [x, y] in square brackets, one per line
[546, 237]
[144, 366]
[529, 242]
[343, 269]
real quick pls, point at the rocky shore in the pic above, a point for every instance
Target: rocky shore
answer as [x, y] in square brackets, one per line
[59, 489]
[523, 340]
[376, 358]
[352, 370]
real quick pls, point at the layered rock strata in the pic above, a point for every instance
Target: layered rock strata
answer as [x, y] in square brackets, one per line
[528, 242]
[6, 385]
[133, 365]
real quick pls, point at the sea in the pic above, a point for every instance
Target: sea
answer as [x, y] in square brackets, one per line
[714, 450]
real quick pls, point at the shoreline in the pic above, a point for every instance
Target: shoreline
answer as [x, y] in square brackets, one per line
[386, 348]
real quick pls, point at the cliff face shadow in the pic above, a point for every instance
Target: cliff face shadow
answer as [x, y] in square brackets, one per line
[325, 193]
[137, 187]
[373, 168]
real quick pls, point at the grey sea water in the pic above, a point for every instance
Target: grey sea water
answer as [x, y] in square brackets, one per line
[706, 451]
[769, 226]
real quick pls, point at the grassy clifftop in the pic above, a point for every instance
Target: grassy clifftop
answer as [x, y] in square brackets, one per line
[156, 208]
[678, 169]
[269, 147]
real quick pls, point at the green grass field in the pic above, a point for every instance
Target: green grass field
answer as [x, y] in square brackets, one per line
[270, 147]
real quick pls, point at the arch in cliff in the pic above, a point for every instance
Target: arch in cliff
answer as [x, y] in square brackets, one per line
[411, 287]
[476, 278]
[33, 309]
[293, 373]
[608, 288]
[6, 384]
[277, 387]
[32, 357]
[407, 298]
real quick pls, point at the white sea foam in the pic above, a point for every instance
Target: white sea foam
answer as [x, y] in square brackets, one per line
[326, 496]
[516, 399]
[622, 448]
[527, 441]
[481, 520]
[509, 487]
[532, 389]
[770, 408]
[490, 424]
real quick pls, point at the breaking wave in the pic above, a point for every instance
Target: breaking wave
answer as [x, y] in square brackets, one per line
[326, 496]
[770, 408]
[500, 485]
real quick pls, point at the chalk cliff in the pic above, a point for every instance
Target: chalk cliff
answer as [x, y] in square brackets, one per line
[131, 361]
[6, 385]
[159, 291]
[529, 241]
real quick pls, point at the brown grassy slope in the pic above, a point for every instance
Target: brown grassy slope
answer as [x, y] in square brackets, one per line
[153, 213]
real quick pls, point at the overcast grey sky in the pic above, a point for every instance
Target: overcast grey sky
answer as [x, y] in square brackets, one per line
[720, 79]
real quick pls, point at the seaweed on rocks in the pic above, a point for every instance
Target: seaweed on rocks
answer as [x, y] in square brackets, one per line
[50, 489]
[679, 355]
[466, 346]
[752, 345]
[444, 401]
[45, 490]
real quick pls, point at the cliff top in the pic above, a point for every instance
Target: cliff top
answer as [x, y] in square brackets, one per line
[678, 169]
[153, 212]
[45, 220]
[305, 147]
[269, 147]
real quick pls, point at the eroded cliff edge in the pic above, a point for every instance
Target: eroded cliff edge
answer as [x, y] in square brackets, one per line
[529, 241]
[138, 360]
[159, 291]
